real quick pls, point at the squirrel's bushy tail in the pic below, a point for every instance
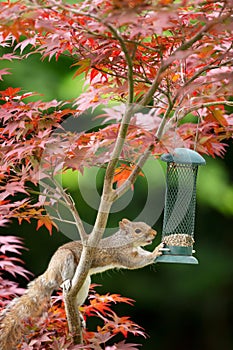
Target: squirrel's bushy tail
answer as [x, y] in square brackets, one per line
[33, 303]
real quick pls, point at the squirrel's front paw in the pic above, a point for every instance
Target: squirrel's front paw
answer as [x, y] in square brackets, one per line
[158, 250]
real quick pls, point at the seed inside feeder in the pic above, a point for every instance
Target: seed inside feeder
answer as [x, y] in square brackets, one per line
[178, 239]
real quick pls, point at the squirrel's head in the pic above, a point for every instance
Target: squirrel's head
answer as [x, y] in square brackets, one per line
[139, 233]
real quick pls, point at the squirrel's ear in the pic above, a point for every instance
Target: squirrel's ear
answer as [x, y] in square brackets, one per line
[123, 222]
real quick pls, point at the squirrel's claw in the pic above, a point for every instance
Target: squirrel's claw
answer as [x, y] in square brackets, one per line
[158, 250]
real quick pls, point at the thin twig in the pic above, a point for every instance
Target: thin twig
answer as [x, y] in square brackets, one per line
[128, 60]
[49, 196]
[133, 176]
[70, 203]
[204, 105]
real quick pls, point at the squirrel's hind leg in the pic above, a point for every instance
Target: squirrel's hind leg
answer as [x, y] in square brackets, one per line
[62, 268]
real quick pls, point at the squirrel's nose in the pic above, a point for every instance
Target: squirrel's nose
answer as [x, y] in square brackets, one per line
[153, 232]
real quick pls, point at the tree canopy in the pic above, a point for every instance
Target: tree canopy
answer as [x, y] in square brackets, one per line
[173, 57]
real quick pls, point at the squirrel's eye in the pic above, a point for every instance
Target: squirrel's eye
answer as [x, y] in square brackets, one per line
[138, 230]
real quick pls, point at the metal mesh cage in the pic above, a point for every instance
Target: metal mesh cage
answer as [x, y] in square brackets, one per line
[180, 202]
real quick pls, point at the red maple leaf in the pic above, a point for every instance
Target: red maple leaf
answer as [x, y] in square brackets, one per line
[47, 222]
[122, 173]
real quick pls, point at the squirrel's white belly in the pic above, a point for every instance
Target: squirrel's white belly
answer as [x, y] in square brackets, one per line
[83, 293]
[100, 269]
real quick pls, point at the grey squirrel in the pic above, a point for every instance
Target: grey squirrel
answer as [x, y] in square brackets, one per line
[121, 250]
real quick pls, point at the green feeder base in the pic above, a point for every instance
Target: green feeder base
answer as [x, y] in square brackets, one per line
[179, 259]
[177, 254]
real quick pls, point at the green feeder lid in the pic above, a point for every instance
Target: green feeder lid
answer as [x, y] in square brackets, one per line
[184, 156]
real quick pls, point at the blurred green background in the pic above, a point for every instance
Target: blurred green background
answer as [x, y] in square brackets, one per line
[180, 306]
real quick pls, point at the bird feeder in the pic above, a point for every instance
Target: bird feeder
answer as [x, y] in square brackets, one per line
[180, 204]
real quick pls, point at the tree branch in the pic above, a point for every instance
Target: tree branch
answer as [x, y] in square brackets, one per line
[104, 207]
[128, 60]
[204, 105]
[73, 318]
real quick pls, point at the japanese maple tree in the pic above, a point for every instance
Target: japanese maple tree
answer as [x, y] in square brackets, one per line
[158, 61]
